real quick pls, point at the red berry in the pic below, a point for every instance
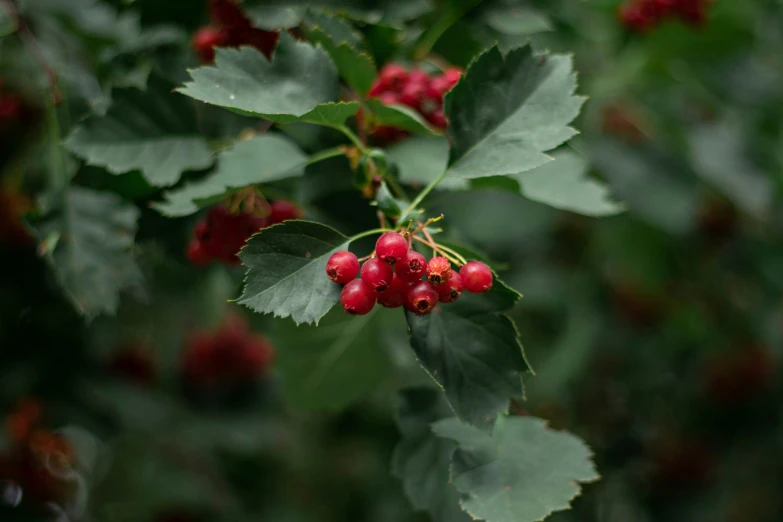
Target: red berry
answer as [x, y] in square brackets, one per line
[198, 254]
[438, 119]
[205, 40]
[357, 298]
[390, 98]
[394, 296]
[417, 76]
[11, 108]
[412, 267]
[377, 274]
[228, 14]
[438, 270]
[451, 290]
[476, 277]
[202, 231]
[393, 76]
[414, 94]
[391, 247]
[342, 267]
[422, 298]
[282, 211]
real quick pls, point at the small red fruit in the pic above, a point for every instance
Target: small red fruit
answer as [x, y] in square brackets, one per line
[451, 290]
[476, 277]
[205, 40]
[438, 270]
[197, 254]
[377, 274]
[391, 247]
[394, 296]
[393, 76]
[357, 298]
[282, 211]
[342, 267]
[422, 298]
[412, 267]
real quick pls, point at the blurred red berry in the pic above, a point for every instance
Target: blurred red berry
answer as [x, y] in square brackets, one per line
[284, 210]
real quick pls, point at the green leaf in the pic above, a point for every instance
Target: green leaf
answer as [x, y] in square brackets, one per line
[421, 460]
[718, 156]
[7, 23]
[356, 66]
[421, 159]
[297, 85]
[261, 159]
[521, 472]
[286, 270]
[271, 17]
[92, 238]
[387, 203]
[398, 116]
[154, 132]
[508, 110]
[473, 351]
[564, 184]
[317, 362]
[517, 20]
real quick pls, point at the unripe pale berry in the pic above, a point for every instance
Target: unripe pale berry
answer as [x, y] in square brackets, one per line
[391, 247]
[451, 290]
[394, 296]
[476, 277]
[357, 298]
[377, 274]
[438, 270]
[342, 267]
[411, 268]
[422, 298]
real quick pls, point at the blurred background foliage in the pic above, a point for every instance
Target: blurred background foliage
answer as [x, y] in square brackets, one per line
[655, 334]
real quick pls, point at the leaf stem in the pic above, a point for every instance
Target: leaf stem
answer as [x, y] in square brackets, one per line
[423, 194]
[371, 232]
[353, 137]
[325, 154]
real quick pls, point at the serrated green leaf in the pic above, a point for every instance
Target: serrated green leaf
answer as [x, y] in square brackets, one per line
[286, 270]
[299, 84]
[153, 131]
[421, 159]
[563, 184]
[473, 351]
[522, 472]
[421, 460]
[93, 256]
[398, 116]
[718, 156]
[355, 65]
[261, 159]
[508, 110]
[339, 362]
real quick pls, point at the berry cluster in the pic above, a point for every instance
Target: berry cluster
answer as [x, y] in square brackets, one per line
[397, 85]
[230, 28]
[232, 355]
[643, 15]
[222, 233]
[399, 276]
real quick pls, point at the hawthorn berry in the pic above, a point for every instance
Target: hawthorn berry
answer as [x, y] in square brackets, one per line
[377, 274]
[422, 298]
[438, 270]
[197, 253]
[476, 277]
[412, 267]
[357, 298]
[394, 296]
[342, 266]
[283, 211]
[391, 247]
[450, 291]
[205, 40]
